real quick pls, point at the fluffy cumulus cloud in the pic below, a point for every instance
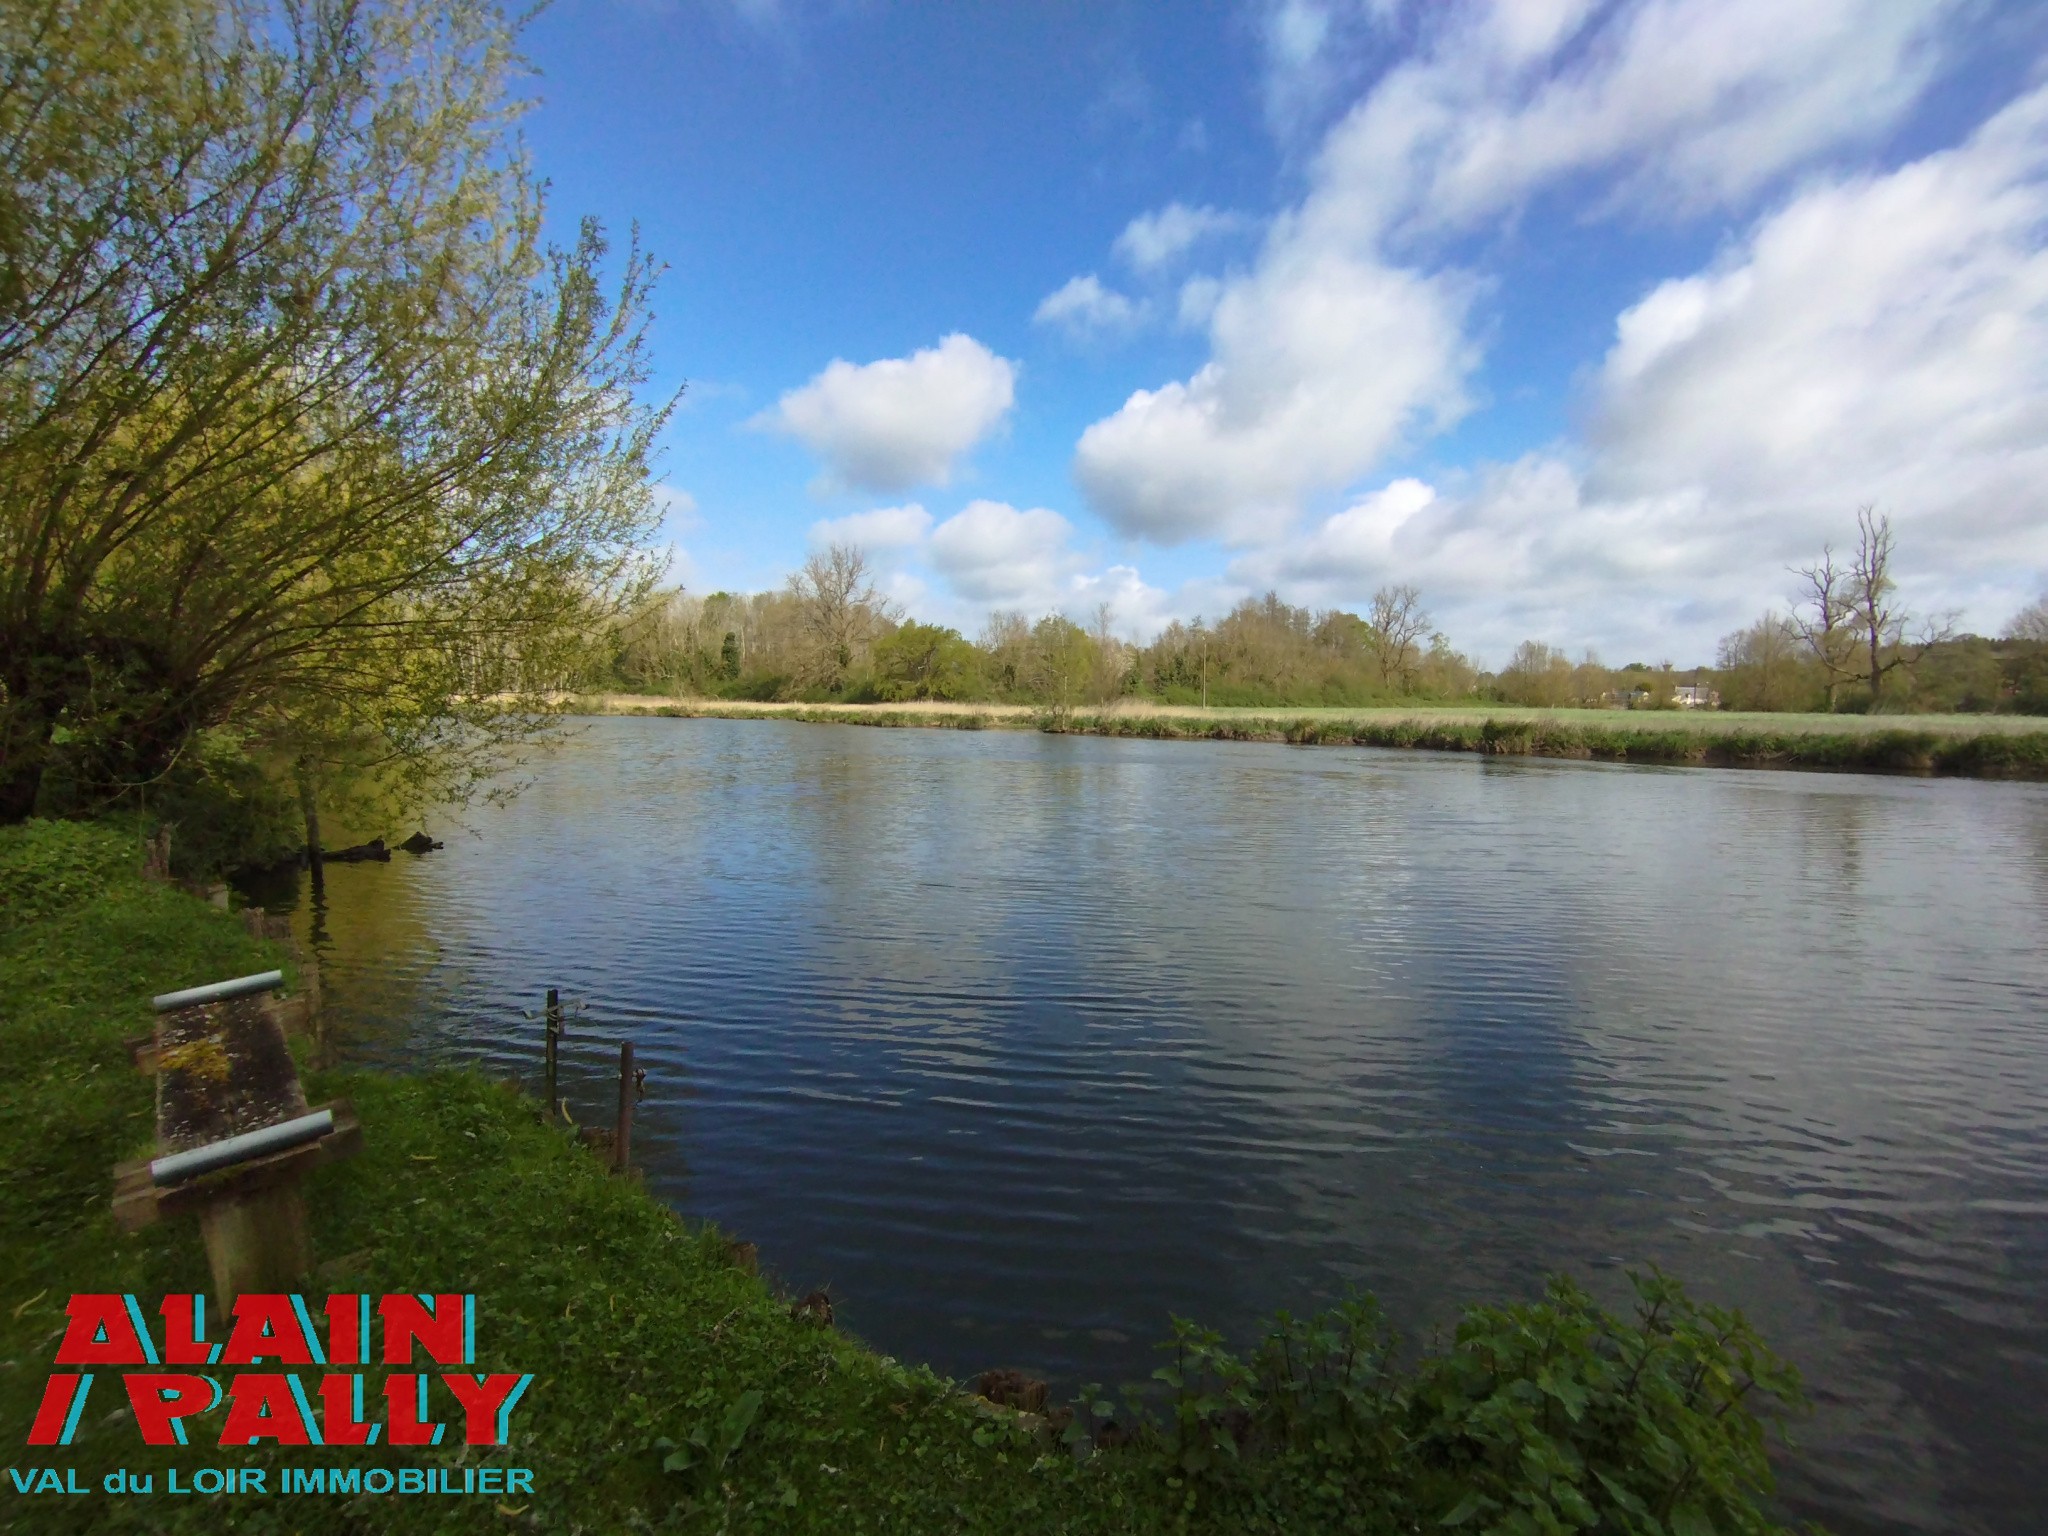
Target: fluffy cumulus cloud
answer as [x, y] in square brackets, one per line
[1349, 336]
[1877, 338]
[1320, 362]
[1876, 333]
[900, 422]
[991, 553]
[1083, 308]
[1155, 240]
[1510, 552]
[885, 528]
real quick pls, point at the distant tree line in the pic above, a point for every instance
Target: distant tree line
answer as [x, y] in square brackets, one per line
[1847, 643]
[828, 634]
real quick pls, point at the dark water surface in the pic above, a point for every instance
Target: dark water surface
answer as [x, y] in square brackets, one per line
[1021, 1043]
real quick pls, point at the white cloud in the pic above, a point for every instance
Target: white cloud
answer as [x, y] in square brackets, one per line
[1136, 608]
[1082, 308]
[1518, 551]
[1337, 346]
[902, 421]
[1152, 240]
[1687, 104]
[1877, 336]
[1876, 339]
[885, 528]
[1199, 297]
[992, 553]
[1320, 363]
[1354, 550]
[678, 507]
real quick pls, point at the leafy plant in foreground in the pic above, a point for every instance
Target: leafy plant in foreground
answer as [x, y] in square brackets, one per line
[1537, 1420]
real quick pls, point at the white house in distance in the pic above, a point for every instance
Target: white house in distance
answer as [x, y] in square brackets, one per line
[1695, 696]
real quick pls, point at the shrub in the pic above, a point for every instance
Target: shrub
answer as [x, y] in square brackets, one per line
[47, 867]
[1543, 1419]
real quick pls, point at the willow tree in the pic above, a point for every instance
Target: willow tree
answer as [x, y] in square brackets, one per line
[303, 429]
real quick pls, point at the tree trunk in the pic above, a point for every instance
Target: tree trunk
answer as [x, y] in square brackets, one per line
[24, 749]
[311, 810]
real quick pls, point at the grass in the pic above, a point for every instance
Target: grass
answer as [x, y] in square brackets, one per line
[1977, 746]
[674, 1390]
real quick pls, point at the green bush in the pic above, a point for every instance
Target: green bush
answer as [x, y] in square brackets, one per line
[1537, 1420]
[47, 867]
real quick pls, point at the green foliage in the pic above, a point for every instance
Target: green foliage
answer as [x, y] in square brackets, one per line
[926, 661]
[1060, 667]
[225, 807]
[47, 867]
[304, 432]
[1538, 1420]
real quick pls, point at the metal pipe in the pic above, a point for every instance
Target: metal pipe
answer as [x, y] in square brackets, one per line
[217, 991]
[243, 1148]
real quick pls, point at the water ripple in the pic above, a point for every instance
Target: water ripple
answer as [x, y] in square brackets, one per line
[1023, 1043]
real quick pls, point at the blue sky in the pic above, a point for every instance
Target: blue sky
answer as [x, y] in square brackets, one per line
[1588, 317]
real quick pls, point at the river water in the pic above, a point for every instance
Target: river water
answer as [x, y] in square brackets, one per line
[1021, 1043]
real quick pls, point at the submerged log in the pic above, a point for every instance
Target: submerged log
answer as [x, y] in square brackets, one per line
[419, 842]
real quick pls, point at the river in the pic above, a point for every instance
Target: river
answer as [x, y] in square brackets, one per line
[1020, 1043]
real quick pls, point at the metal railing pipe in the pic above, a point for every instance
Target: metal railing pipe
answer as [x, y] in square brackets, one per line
[217, 991]
[248, 1146]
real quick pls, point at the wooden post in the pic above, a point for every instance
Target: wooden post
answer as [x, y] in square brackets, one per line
[554, 1037]
[622, 1138]
[257, 1243]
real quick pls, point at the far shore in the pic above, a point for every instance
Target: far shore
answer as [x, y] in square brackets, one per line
[1969, 746]
[1709, 721]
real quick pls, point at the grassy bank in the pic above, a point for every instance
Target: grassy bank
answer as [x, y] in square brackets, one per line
[1964, 745]
[674, 1390]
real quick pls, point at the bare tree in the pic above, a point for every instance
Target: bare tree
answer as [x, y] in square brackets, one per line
[1006, 641]
[1881, 619]
[2031, 622]
[839, 610]
[1537, 674]
[1112, 657]
[1825, 617]
[1395, 624]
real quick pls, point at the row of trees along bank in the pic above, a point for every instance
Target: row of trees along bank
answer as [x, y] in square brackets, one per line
[312, 453]
[1847, 644]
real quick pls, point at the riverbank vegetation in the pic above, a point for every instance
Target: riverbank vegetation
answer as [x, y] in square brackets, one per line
[674, 1389]
[1962, 745]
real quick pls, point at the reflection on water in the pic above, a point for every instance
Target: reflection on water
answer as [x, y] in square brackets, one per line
[1021, 1043]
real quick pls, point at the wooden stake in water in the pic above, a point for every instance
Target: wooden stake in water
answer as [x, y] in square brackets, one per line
[622, 1137]
[554, 1017]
